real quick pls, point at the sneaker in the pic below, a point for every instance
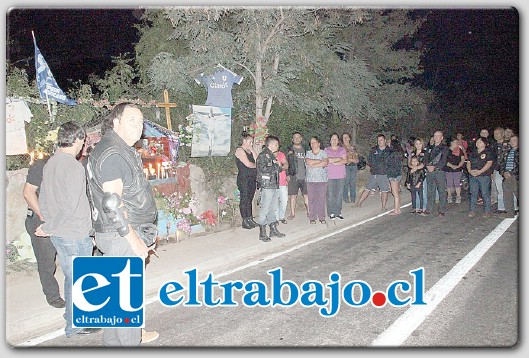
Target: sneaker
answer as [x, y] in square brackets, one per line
[313, 221]
[471, 214]
[425, 213]
[441, 214]
[339, 217]
[58, 303]
[458, 200]
[84, 331]
[283, 221]
[332, 216]
[147, 337]
[449, 199]
[323, 221]
[486, 215]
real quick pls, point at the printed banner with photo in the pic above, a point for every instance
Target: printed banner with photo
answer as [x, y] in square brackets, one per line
[211, 131]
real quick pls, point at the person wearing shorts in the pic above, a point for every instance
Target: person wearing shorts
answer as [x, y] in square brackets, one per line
[296, 173]
[377, 161]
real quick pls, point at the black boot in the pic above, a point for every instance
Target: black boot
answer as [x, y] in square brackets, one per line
[246, 224]
[274, 232]
[262, 233]
[253, 222]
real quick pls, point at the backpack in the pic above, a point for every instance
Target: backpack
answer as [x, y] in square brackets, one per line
[361, 163]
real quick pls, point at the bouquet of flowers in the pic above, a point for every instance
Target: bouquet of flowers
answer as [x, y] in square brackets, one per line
[184, 225]
[209, 218]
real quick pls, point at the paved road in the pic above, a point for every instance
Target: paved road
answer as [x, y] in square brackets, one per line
[480, 307]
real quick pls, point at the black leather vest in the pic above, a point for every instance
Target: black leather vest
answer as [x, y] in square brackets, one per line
[137, 197]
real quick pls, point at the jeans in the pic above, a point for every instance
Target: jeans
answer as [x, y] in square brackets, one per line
[349, 189]
[67, 249]
[498, 184]
[45, 254]
[335, 196]
[436, 182]
[480, 184]
[510, 190]
[283, 202]
[417, 192]
[268, 206]
[424, 197]
[111, 244]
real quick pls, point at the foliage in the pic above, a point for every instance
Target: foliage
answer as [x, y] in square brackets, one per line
[118, 81]
[14, 262]
[11, 252]
[276, 49]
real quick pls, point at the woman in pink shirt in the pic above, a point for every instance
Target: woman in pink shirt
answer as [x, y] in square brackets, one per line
[336, 173]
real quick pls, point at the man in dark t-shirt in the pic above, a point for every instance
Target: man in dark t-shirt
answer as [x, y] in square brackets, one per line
[123, 206]
[45, 252]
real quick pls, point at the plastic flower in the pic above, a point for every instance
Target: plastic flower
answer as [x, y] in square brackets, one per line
[221, 200]
[184, 225]
[208, 217]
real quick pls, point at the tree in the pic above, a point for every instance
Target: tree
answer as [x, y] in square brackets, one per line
[288, 53]
[384, 41]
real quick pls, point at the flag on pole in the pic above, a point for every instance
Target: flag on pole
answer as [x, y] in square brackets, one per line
[46, 83]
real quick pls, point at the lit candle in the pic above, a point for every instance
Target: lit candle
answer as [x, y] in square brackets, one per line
[159, 171]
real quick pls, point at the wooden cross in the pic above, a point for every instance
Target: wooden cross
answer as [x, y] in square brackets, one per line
[167, 105]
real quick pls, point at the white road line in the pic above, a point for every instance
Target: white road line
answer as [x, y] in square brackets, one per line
[401, 329]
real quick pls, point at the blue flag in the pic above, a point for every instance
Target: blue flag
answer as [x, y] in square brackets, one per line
[46, 82]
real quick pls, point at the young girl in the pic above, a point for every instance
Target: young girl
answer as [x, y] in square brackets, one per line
[414, 182]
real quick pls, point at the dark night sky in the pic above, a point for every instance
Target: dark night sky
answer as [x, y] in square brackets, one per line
[473, 54]
[74, 42]
[473, 58]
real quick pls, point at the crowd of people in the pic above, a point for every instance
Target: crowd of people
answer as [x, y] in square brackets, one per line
[106, 203]
[433, 172]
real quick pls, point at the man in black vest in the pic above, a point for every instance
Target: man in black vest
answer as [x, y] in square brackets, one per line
[435, 160]
[123, 205]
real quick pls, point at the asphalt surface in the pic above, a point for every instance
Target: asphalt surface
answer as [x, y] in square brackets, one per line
[482, 309]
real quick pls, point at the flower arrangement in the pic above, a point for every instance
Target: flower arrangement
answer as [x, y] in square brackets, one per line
[227, 208]
[180, 205]
[184, 225]
[208, 218]
[185, 132]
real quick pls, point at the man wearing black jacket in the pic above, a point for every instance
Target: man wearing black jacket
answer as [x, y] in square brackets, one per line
[435, 160]
[268, 169]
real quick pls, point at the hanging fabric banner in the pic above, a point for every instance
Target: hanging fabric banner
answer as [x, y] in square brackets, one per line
[211, 131]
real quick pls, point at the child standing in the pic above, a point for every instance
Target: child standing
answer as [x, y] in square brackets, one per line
[414, 182]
